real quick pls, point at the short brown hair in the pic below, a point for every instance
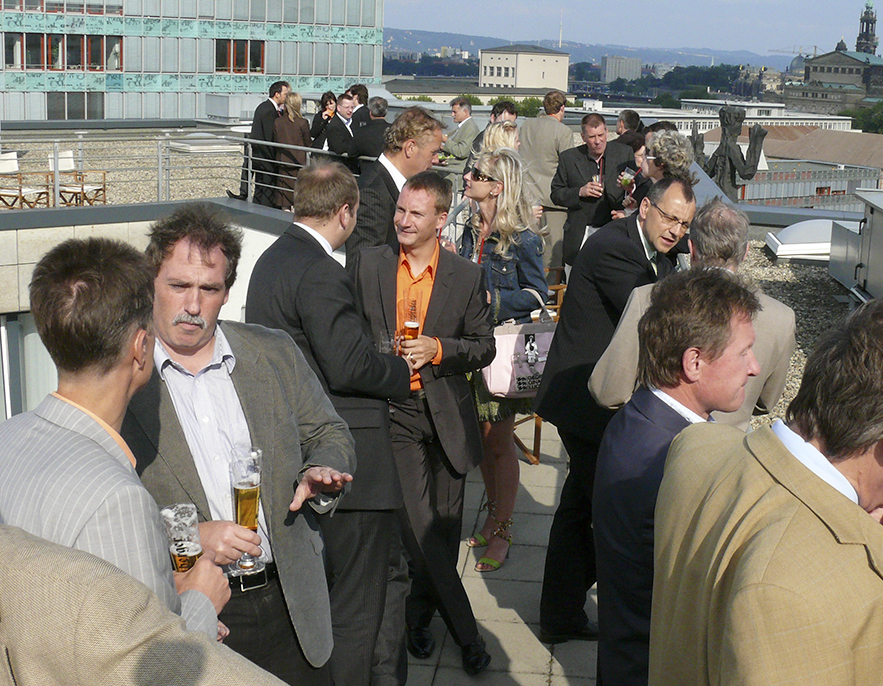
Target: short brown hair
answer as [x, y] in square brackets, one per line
[434, 184]
[202, 225]
[360, 91]
[840, 400]
[691, 309]
[87, 296]
[322, 188]
[592, 120]
[415, 123]
[554, 101]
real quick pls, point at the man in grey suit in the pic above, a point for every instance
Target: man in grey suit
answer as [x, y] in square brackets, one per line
[224, 386]
[66, 475]
[718, 238]
[435, 434]
[543, 139]
[459, 143]
[52, 595]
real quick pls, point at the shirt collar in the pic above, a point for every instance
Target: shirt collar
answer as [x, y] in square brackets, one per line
[463, 122]
[649, 250]
[397, 177]
[810, 457]
[326, 246]
[222, 354]
[678, 407]
[431, 268]
[345, 121]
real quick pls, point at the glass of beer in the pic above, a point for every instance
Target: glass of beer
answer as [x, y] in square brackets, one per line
[410, 305]
[245, 478]
[182, 528]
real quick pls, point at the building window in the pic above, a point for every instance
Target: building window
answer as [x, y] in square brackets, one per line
[74, 105]
[499, 71]
[823, 190]
[34, 51]
[239, 56]
[12, 48]
[513, 72]
[506, 72]
[75, 50]
[95, 53]
[33, 5]
[55, 52]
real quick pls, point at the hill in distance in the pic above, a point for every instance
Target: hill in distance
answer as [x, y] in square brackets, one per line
[430, 41]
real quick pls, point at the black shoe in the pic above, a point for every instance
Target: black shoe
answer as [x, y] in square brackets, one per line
[236, 196]
[475, 657]
[420, 642]
[588, 633]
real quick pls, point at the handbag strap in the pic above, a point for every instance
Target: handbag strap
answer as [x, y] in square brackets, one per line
[545, 315]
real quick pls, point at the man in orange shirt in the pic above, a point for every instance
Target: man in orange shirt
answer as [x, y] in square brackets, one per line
[435, 435]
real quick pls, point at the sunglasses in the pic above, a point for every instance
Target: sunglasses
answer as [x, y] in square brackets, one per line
[478, 175]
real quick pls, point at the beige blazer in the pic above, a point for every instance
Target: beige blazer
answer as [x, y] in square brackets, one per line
[543, 139]
[764, 574]
[71, 618]
[614, 378]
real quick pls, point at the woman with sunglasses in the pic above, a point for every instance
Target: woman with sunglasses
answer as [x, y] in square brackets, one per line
[502, 236]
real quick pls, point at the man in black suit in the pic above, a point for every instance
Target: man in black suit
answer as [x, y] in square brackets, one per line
[411, 146]
[614, 260]
[586, 183]
[298, 287]
[368, 138]
[696, 358]
[263, 157]
[435, 432]
[339, 134]
[361, 115]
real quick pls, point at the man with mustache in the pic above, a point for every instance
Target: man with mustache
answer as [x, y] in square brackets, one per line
[220, 386]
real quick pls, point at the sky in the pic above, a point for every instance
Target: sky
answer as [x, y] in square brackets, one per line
[741, 24]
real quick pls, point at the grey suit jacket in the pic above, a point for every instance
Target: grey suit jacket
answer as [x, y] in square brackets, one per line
[542, 140]
[614, 377]
[459, 143]
[101, 626]
[291, 419]
[65, 479]
[459, 316]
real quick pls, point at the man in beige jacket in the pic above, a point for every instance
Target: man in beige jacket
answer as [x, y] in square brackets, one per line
[768, 547]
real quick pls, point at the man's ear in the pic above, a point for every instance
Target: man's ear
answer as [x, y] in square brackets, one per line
[141, 350]
[690, 364]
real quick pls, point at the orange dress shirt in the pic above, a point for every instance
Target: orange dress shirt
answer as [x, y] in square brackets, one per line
[407, 283]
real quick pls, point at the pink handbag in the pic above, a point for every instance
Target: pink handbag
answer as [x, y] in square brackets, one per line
[522, 350]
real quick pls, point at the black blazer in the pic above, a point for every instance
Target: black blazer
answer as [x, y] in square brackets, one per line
[318, 129]
[368, 140]
[458, 315]
[339, 141]
[361, 117]
[575, 169]
[297, 287]
[610, 264]
[262, 129]
[375, 224]
[627, 478]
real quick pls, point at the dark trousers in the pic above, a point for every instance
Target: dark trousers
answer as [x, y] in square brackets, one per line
[357, 553]
[570, 557]
[261, 631]
[432, 518]
[390, 666]
[265, 180]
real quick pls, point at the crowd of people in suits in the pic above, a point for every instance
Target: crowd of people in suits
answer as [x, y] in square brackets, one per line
[718, 557]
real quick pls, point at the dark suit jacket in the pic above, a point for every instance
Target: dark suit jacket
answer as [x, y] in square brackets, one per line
[459, 316]
[291, 419]
[610, 264]
[262, 129]
[361, 117]
[575, 169]
[297, 287]
[377, 209]
[630, 465]
[368, 140]
[318, 129]
[339, 140]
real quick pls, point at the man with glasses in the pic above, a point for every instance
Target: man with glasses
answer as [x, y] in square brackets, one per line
[614, 260]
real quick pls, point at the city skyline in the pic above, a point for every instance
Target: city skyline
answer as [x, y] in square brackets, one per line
[681, 24]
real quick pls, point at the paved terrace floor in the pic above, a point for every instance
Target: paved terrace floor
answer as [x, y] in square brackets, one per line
[507, 602]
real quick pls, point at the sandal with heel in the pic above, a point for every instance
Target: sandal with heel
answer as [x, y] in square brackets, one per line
[476, 540]
[489, 564]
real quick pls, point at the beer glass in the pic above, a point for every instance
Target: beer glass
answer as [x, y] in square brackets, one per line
[410, 305]
[245, 478]
[182, 528]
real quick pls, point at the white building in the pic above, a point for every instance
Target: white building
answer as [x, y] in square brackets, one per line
[614, 67]
[523, 66]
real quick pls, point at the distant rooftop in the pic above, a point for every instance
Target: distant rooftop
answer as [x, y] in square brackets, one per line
[525, 48]
[453, 86]
[858, 56]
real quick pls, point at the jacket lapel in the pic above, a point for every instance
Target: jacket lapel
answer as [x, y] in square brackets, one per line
[634, 235]
[153, 409]
[249, 378]
[848, 522]
[441, 288]
[386, 282]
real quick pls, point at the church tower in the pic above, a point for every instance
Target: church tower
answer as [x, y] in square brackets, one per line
[867, 35]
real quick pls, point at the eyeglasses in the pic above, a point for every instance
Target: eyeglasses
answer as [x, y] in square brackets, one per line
[671, 220]
[478, 175]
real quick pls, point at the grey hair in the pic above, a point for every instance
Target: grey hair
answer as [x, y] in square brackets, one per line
[719, 234]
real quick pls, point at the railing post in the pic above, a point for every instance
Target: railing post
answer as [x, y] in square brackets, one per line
[159, 170]
[168, 166]
[56, 190]
[248, 157]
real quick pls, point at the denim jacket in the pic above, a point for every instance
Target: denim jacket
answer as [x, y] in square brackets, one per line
[506, 275]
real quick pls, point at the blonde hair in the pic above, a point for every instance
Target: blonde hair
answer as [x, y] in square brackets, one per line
[293, 104]
[501, 134]
[514, 213]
